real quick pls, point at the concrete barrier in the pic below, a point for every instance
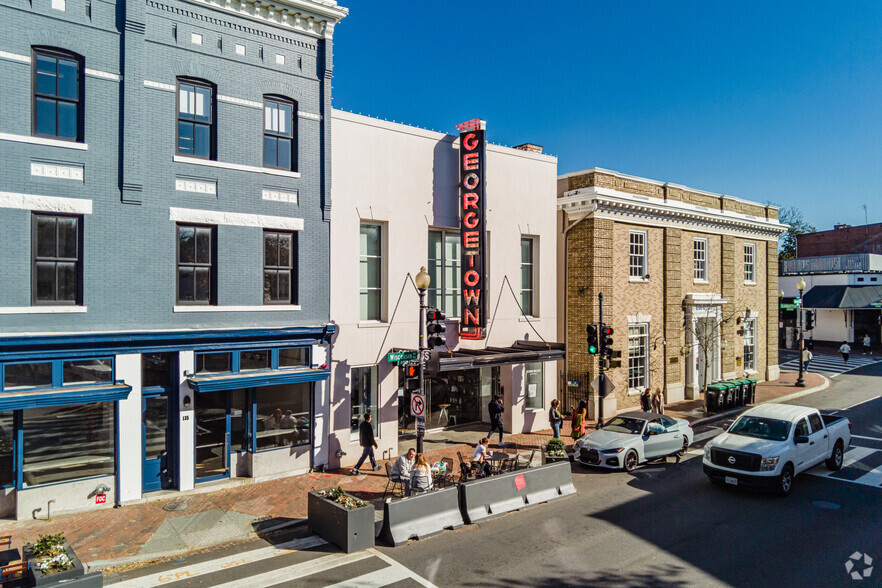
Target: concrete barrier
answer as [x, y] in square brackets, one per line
[496, 495]
[420, 516]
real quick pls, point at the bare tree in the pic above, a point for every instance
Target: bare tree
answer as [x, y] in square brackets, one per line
[703, 333]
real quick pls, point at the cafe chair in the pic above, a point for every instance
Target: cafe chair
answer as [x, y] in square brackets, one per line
[390, 482]
[446, 477]
[465, 469]
[522, 462]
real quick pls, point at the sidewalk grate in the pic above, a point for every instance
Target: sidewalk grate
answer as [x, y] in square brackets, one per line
[176, 506]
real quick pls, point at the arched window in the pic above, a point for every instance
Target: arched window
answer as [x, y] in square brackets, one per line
[57, 94]
[279, 133]
[197, 126]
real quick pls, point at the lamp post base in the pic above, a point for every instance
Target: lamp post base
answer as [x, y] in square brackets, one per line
[800, 383]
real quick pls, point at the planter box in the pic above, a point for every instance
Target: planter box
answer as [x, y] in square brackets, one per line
[76, 576]
[547, 459]
[350, 530]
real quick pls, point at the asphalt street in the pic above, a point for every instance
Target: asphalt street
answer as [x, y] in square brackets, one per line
[663, 525]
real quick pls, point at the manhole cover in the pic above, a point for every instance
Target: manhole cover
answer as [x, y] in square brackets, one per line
[826, 505]
[176, 506]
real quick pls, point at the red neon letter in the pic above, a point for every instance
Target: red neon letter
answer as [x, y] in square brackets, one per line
[471, 239]
[469, 200]
[471, 296]
[470, 142]
[470, 220]
[470, 161]
[470, 181]
[471, 316]
[471, 278]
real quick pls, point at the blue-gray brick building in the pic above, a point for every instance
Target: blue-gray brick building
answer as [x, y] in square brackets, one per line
[164, 218]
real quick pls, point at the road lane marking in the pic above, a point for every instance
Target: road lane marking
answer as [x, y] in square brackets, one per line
[713, 432]
[417, 578]
[863, 437]
[862, 402]
[178, 574]
[298, 571]
[382, 577]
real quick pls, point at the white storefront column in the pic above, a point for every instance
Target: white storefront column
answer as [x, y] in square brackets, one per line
[186, 422]
[322, 407]
[131, 451]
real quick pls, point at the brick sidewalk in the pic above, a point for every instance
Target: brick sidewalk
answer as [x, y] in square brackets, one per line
[120, 534]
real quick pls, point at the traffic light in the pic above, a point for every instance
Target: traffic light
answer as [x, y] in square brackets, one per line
[435, 328]
[411, 378]
[592, 339]
[809, 320]
[606, 340]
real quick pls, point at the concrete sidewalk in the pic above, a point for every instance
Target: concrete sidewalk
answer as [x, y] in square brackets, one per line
[199, 519]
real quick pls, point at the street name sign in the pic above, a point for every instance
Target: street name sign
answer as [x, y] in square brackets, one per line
[399, 356]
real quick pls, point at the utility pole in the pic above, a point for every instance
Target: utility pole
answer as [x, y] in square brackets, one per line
[421, 420]
[601, 388]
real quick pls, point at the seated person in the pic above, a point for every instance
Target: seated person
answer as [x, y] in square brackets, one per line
[401, 469]
[479, 458]
[420, 475]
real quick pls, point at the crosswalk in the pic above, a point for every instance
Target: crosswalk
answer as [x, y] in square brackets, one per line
[861, 465]
[832, 364]
[306, 561]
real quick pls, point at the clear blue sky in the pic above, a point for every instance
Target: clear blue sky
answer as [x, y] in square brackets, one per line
[770, 101]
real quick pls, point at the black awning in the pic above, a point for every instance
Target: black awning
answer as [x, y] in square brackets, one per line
[520, 352]
[851, 297]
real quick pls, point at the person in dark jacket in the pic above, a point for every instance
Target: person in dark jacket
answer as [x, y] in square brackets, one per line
[555, 418]
[496, 409]
[368, 443]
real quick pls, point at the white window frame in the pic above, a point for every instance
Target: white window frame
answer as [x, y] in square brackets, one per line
[749, 263]
[381, 288]
[642, 333]
[375, 401]
[700, 269]
[443, 288]
[750, 337]
[638, 261]
[534, 274]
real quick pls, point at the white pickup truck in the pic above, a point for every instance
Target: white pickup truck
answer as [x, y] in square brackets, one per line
[771, 443]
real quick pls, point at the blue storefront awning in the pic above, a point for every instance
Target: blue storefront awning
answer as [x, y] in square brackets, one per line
[64, 396]
[255, 380]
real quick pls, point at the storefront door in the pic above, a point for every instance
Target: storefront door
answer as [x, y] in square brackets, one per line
[157, 472]
[212, 435]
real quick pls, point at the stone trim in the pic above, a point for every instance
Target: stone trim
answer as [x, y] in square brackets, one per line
[45, 203]
[43, 141]
[239, 219]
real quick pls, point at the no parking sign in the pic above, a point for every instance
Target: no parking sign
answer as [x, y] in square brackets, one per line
[417, 405]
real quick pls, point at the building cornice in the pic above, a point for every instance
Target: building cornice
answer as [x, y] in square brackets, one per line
[646, 210]
[311, 17]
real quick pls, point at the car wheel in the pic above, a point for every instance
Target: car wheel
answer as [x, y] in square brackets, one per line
[834, 462]
[630, 461]
[682, 451]
[785, 481]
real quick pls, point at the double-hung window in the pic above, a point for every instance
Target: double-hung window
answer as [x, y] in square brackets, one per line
[699, 257]
[637, 250]
[750, 263]
[444, 271]
[279, 133]
[197, 267]
[57, 94]
[638, 356]
[528, 276]
[371, 272]
[196, 119]
[57, 270]
[279, 273]
[750, 344]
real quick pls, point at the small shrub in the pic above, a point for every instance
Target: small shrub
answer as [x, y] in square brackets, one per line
[338, 495]
[555, 445]
[49, 554]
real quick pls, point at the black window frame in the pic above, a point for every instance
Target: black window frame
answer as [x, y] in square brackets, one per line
[212, 124]
[36, 258]
[275, 134]
[212, 265]
[80, 102]
[293, 281]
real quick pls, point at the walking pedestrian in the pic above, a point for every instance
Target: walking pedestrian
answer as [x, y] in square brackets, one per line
[496, 409]
[658, 402]
[645, 400]
[806, 358]
[578, 422]
[867, 342]
[555, 418]
[845, 350]
[368, 443]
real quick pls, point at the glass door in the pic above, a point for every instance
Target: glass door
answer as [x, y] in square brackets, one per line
[156, 470]
[212, 435]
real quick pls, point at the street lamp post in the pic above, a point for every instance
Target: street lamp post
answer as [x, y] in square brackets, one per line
[800, 286]
[422, 281]
[782, 333]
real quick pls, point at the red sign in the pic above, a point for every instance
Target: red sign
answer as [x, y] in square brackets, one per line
[520, 482]
[100, 498]
[472, 214]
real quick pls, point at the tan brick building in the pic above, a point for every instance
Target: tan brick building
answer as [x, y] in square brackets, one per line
[689, 282]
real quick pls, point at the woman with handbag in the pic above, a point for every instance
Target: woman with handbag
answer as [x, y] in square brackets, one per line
[578, 423]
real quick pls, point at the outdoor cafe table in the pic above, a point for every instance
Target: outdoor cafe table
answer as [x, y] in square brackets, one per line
[497, 458]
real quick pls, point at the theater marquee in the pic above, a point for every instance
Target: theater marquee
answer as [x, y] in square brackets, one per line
[472, 215]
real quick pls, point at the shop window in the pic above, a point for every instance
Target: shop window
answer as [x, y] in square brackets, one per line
[283, 416]
[750, 345]
[534, 385]
[370, 273]
[17, 376]
[254, 360]
[279, 133]
[363, 398]
[637, 252]
[445, 289]
[66, 443]
[156, 370]
[279, 275]
[294, 357]
[638, 356]
[57, 261]
[699, 259]
[196, 120]
[197, 270]
[87, 371]
[7, 473]
[57, 94]
[750, 263]
[528, 276]
[213, 363]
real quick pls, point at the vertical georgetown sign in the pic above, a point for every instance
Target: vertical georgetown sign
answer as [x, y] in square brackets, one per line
[472, 210]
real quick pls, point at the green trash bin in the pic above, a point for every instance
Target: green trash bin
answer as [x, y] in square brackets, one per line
[750, 397]
[714, 397]
[731, 390]
[741, 392]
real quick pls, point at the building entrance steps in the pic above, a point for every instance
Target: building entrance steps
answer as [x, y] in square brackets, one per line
[146, 531]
